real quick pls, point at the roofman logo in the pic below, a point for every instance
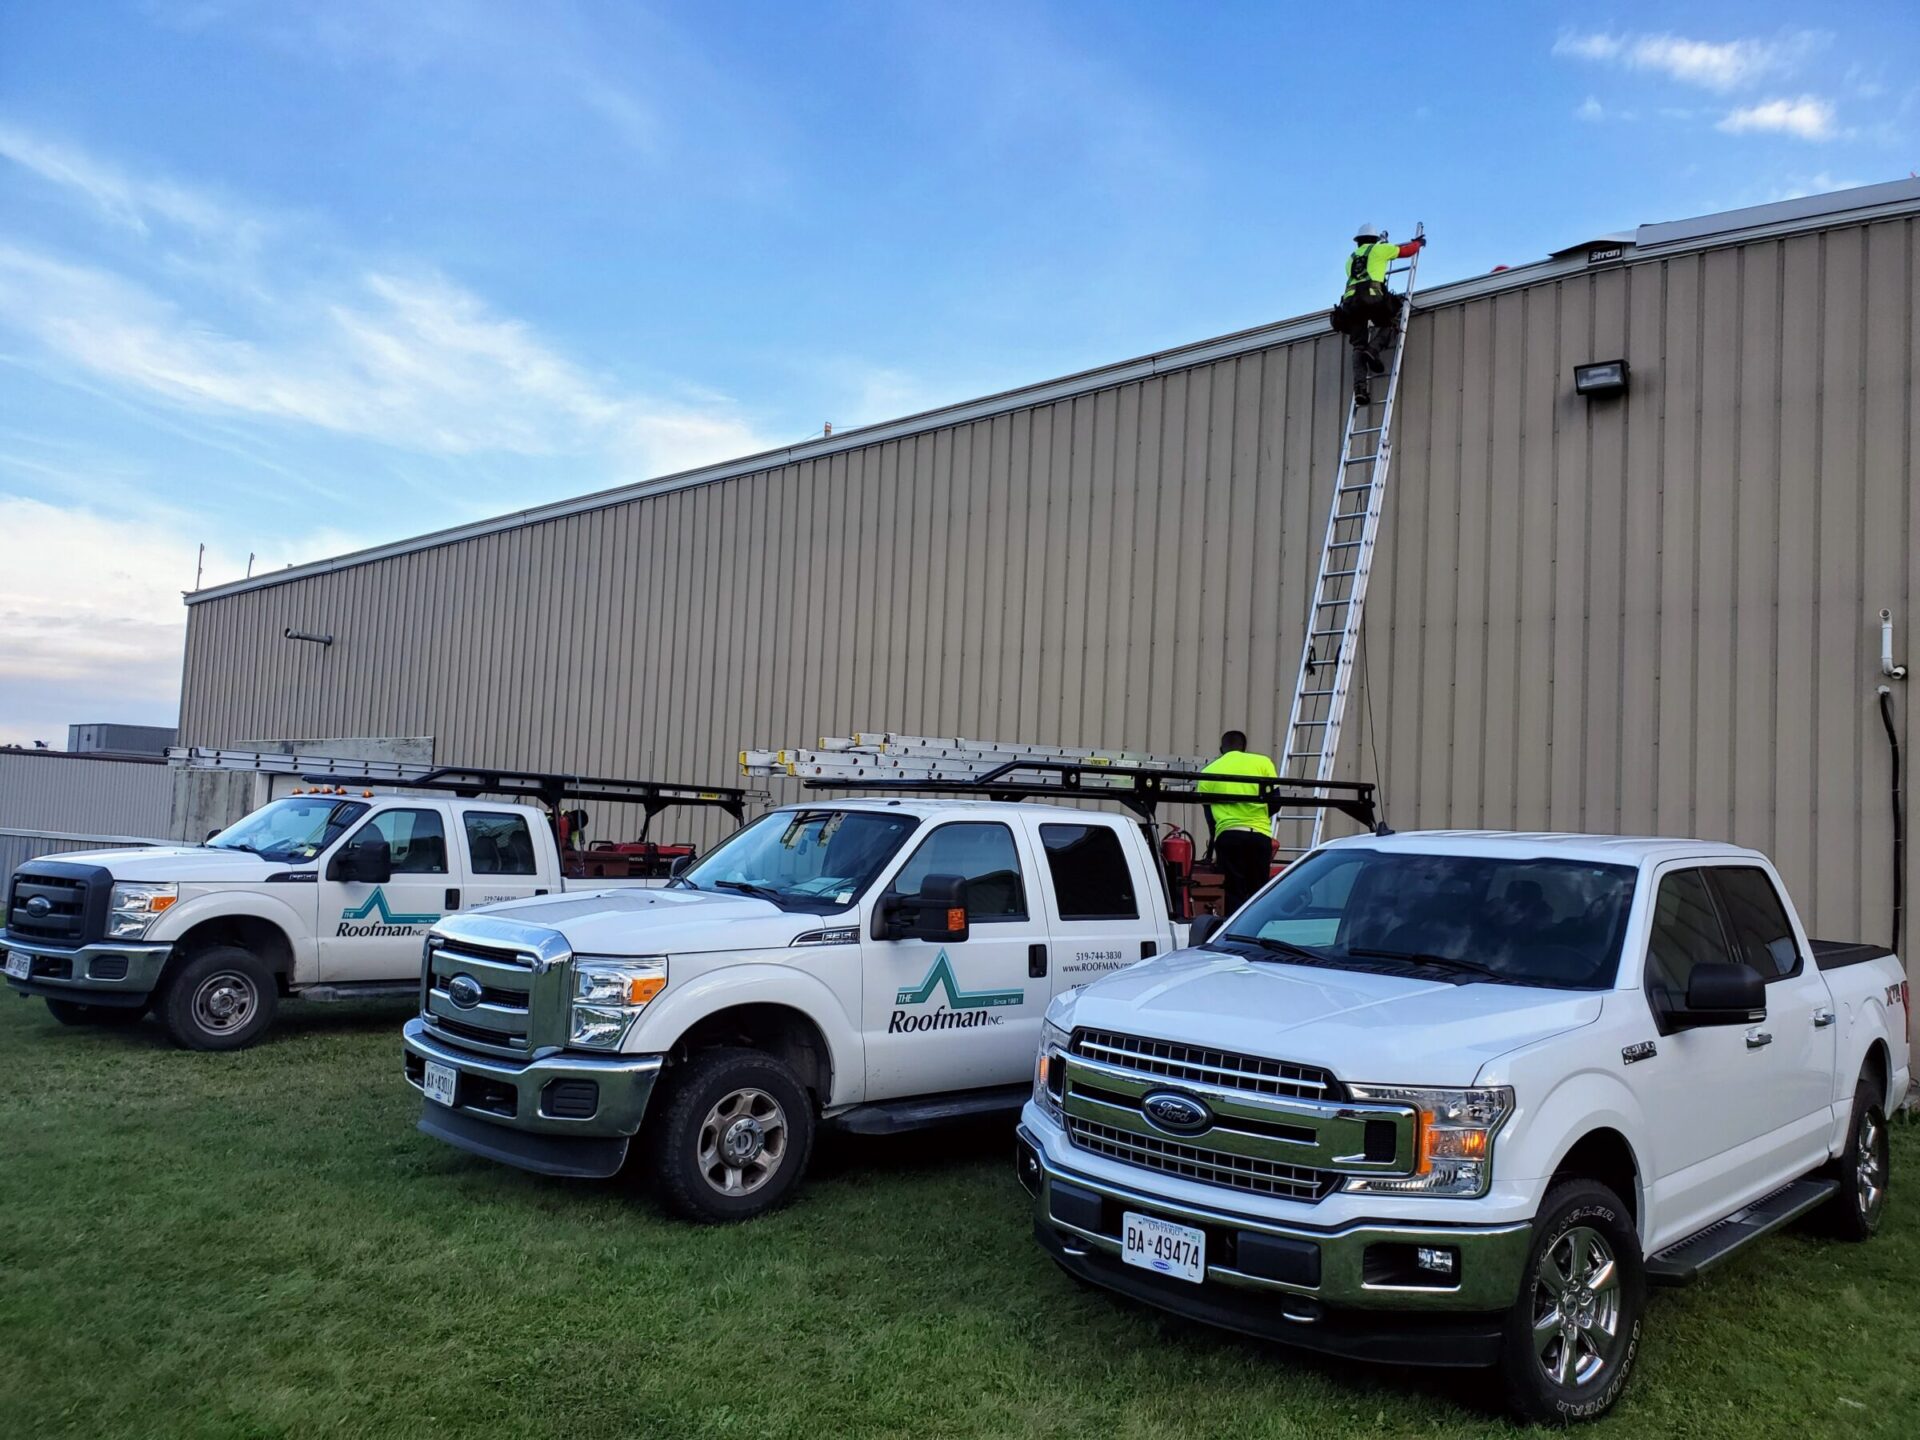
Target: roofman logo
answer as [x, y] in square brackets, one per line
[964, 1009]
[389, 925]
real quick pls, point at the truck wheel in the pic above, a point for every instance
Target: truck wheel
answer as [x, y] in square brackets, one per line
[221, 999]
[75, 1012]
[1854, 1213]
[1574, 1330]
[734, 1138]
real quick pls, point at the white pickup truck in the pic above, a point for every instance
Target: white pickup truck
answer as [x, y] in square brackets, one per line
[1457, 1099]
[324, 894]
[877, 964]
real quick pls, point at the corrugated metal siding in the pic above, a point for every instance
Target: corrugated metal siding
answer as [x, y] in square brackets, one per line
[52, 791]
[17, 849]
[1656, 614]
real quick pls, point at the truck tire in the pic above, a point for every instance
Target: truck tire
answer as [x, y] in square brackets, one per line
[1862, 1170]
[1574, 1330]
[76, 1012]
[733, 1139]
[221, 999]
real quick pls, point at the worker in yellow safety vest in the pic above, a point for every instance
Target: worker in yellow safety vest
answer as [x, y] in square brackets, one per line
[1241, 829]
[1368, 313]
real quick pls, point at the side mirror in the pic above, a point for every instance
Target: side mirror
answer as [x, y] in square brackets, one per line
[938, 912]
[681, 864]
[368, 860]
[1722, 993]
[1204, 926]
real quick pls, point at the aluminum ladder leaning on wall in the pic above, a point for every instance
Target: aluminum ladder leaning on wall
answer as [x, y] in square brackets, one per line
[1340, 596]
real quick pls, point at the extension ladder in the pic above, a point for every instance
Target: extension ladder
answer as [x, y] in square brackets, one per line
[1340, 595]
[889, 755]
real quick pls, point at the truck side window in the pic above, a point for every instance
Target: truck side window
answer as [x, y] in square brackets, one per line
[1091, 880]
[500, 844]
[1686, 933]
[983, 855]
[1762, 934]
[416, 838]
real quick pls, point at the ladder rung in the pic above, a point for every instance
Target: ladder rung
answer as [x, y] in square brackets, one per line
[1344, 544]
[1371, 430]
[1317, 633]
[1359, 459]
[1349, 489]
[1307, 694]
[1303, 724]
[1336, 575]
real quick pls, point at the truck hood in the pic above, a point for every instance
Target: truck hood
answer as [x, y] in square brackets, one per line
[1363, 1027]
[187, 864]
[662, 922]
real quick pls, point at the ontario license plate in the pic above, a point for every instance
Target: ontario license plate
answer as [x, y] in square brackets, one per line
[19, 966]
[440, 1081]
[1163, 1247]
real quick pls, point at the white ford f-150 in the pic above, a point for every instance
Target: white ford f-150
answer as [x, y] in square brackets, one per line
[325, 894]
[1457, 1099]
[877, 964]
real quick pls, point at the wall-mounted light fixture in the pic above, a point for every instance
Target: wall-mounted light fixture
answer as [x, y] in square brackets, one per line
[1601, 377]
[293, 634]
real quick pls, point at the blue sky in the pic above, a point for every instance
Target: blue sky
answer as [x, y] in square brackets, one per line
[289, 279]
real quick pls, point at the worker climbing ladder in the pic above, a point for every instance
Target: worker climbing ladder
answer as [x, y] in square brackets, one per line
[1340, 596]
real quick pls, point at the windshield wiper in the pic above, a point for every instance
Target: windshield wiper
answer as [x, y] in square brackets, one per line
[1427, 957]
[750, 887]
[236, 846]
[1282, 947]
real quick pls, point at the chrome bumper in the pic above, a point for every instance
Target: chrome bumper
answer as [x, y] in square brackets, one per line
[107, 972]
[514, 1094]
[1367, 1265]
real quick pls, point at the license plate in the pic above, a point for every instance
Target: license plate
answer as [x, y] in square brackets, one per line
[19, 966]
[1163, 1247]
[440, 1082]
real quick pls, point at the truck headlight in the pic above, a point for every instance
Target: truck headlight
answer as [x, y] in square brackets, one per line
[1453, 1153]
[1050, 1069]
[132, 909]
[608, 996]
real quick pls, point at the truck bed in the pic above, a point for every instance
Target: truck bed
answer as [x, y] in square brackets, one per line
[1838, 954]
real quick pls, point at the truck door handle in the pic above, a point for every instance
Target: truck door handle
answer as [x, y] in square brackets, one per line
[1756, 1039]
[1036, 962]
[1822, 1019]
[453, 900]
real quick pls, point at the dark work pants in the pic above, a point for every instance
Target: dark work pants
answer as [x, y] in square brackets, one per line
[1245, 857]
[1369, 321]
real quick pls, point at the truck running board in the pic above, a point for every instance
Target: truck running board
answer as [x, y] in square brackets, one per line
[1682, 1263]
[895, 1117]
[361, 990]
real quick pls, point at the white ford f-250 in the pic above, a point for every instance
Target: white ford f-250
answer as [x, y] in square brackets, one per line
[1456, 1099]
[878, 964]
[324, 894]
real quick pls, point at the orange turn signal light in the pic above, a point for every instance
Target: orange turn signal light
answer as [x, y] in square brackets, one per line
[640, 991]
[157, 903]
[956, 921]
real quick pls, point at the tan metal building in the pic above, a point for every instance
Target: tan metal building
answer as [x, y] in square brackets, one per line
[1655, 612]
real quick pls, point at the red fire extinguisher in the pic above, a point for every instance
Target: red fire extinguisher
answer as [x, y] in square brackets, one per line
[1176, 852]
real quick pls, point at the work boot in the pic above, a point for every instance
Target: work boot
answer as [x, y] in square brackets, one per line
[1362, 392]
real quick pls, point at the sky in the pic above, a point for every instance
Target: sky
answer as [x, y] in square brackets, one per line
[286, 279]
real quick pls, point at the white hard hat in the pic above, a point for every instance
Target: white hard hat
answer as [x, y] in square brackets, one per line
[1370, 232]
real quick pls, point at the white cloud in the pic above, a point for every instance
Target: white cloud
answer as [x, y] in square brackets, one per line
[406, 358]
[1719, 65]
[90, 611]
[1591, 109]
[126, 201]
[1807, 118]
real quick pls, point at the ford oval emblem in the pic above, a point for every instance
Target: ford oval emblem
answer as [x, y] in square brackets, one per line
[1175, 1113]
[464, 991]
[39, 907]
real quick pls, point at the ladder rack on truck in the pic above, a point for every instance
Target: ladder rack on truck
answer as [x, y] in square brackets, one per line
[604, 859]
[918, 765]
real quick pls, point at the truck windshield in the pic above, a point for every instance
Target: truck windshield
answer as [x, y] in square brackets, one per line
[1463, 918]
[291, 830]
[804, 858]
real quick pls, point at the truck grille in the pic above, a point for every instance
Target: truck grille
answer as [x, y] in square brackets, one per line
[60, 920]
[1268, 1127]
[1252, 1073]
[502, 984]
[1212, 1167]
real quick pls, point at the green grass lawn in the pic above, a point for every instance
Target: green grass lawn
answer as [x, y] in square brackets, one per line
[262, 1244]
